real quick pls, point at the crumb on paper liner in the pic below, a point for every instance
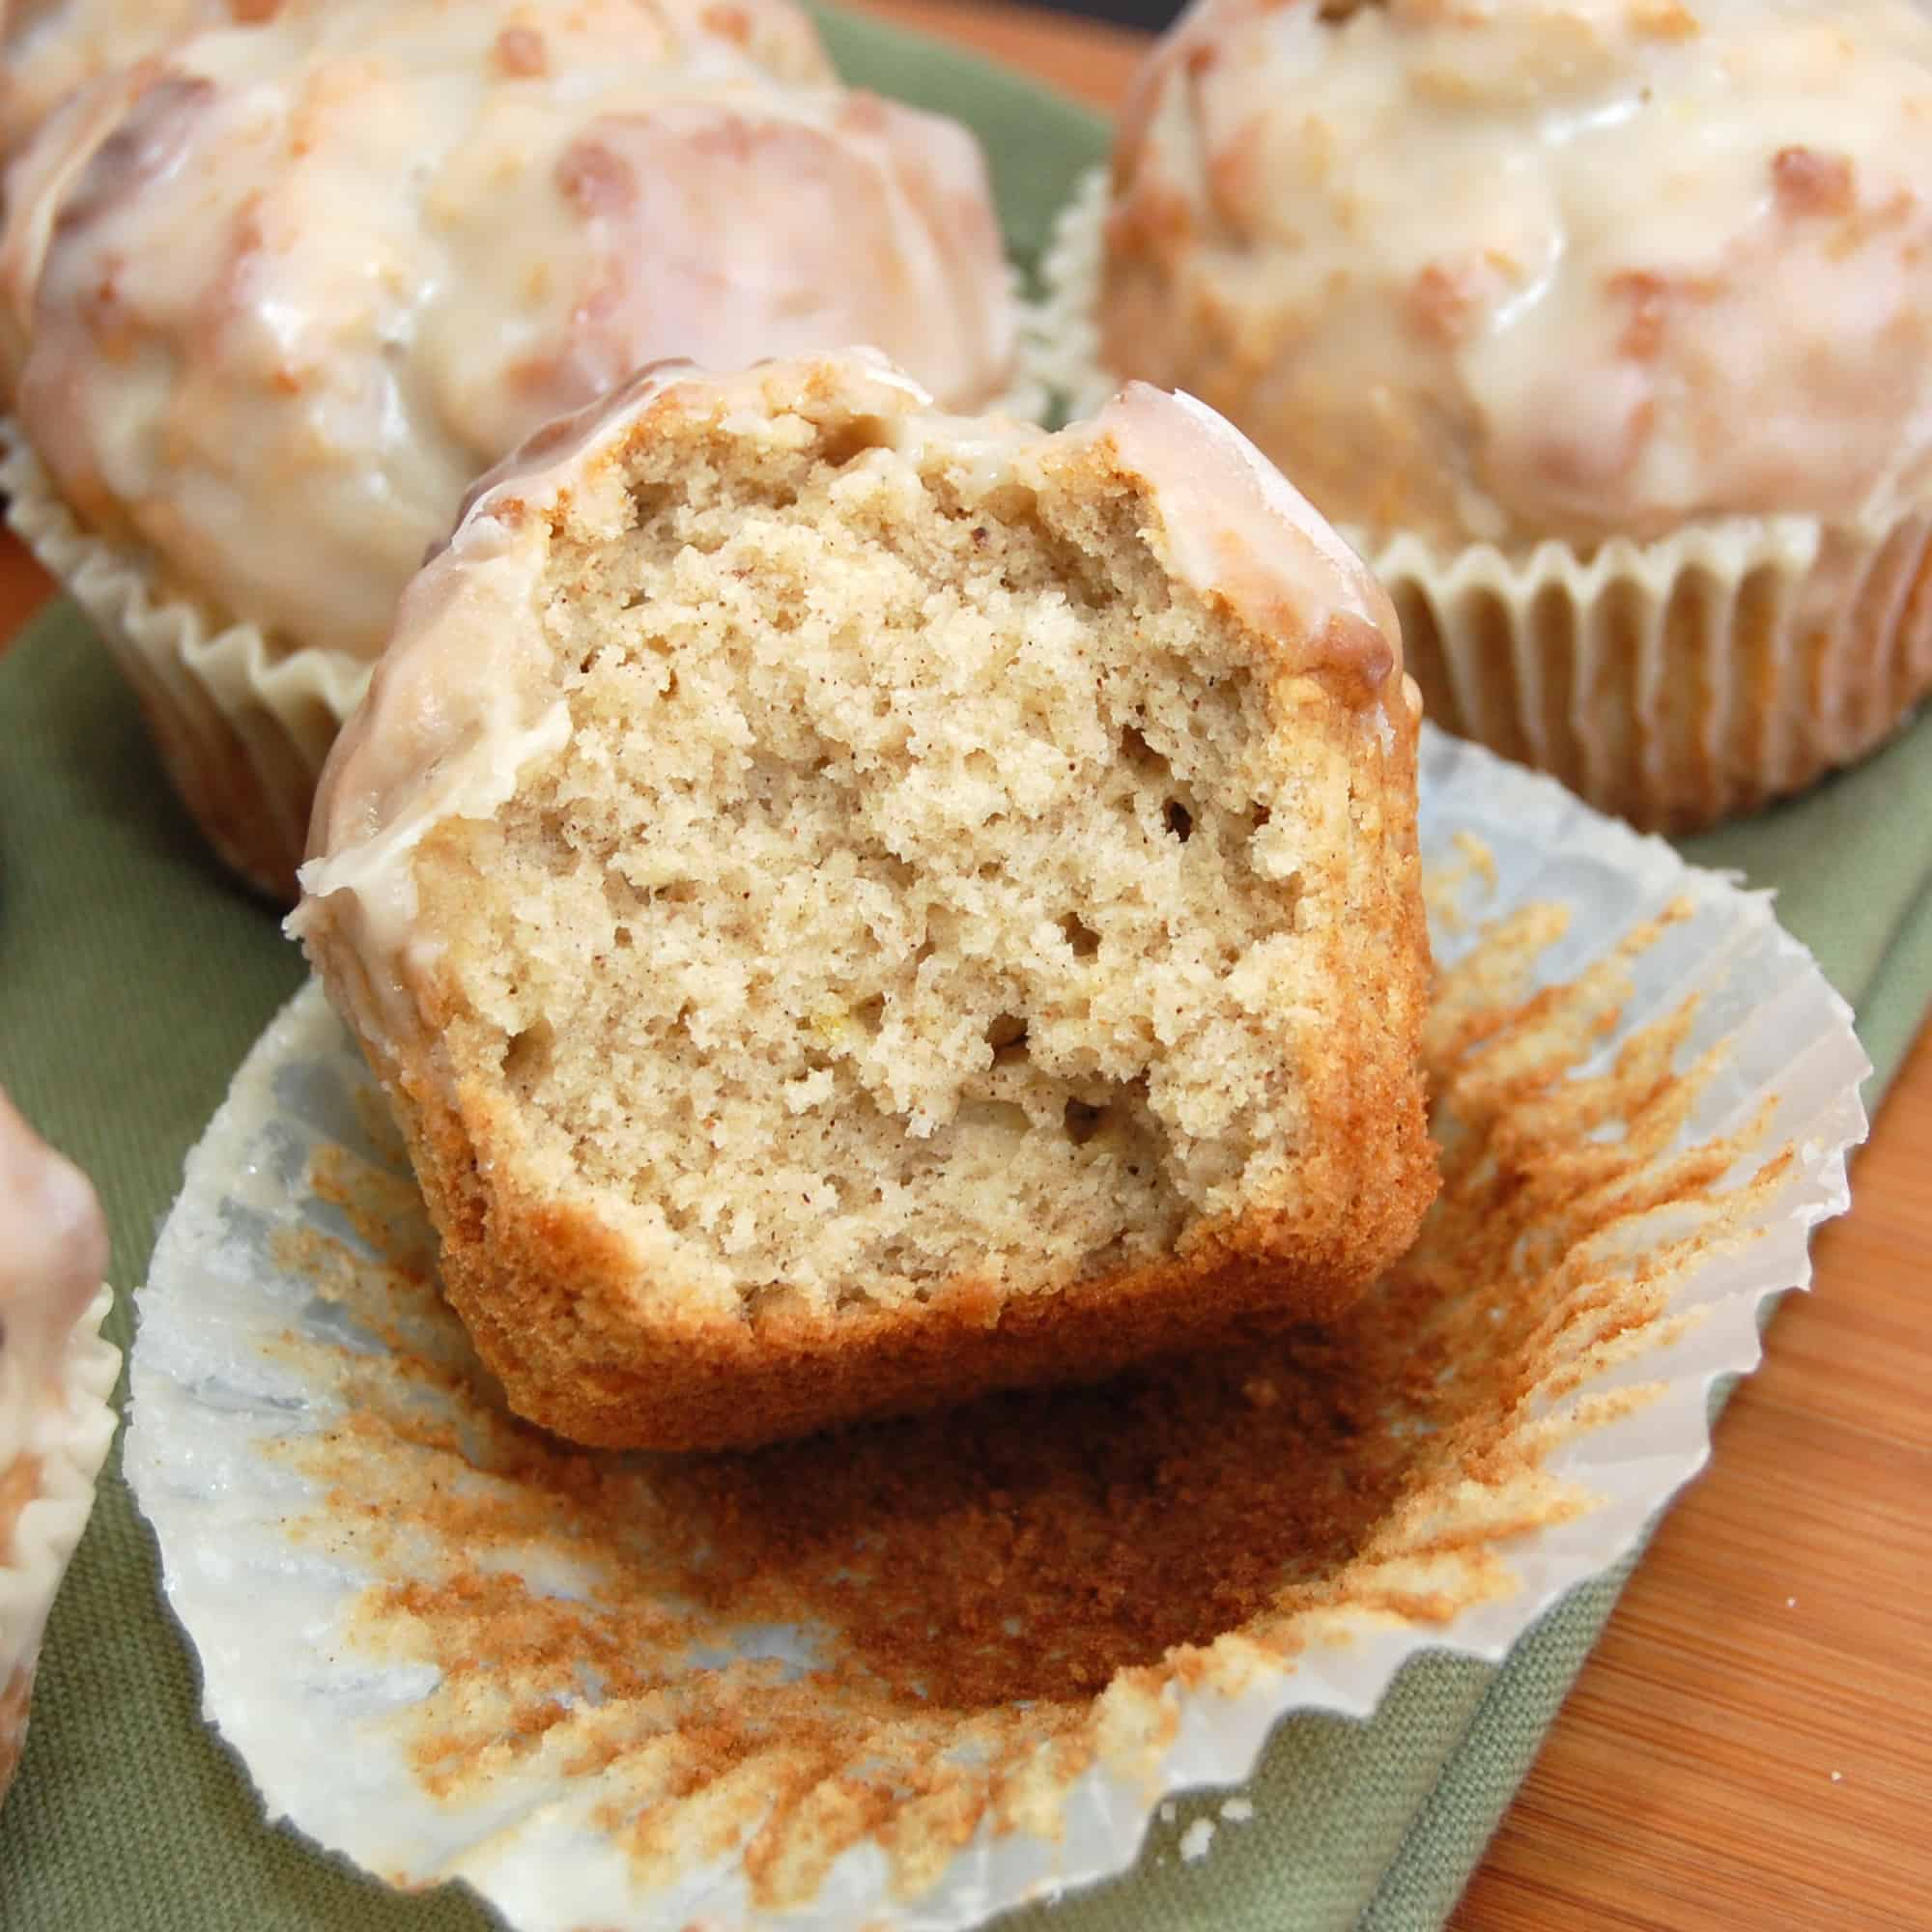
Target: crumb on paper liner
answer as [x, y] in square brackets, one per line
[1675, 682]
[923, 1670]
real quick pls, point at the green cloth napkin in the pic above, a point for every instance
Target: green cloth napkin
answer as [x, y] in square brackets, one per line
[133, 978]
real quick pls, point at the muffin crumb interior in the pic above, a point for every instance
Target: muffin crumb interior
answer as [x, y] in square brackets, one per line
[916, 896]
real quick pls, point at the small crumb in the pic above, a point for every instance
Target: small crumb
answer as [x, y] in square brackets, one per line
[1482, 861]
[1167, 1812]
[808, 1091]
[1238, 1811]
[521, 52]
[1837, 1777]
[1791, 1602]
[1198, 1835]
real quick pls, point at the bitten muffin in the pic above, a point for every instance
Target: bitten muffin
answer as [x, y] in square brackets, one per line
[56, 1376]
[856, 907]
[1606, 324]
[288, 290]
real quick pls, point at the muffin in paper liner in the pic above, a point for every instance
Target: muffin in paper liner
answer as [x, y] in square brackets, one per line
[1675, 682]
[913, 1674]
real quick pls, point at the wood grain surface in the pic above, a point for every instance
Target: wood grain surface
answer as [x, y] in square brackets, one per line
[1750, 1749]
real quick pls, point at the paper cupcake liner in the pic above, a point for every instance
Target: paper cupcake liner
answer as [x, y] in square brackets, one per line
[1675, 682]
[1060, 339]
[46, 1491]
[920, 1672]
[1679, 682]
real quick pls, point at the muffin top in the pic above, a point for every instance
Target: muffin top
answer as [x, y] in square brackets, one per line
[465, 695]
[48, 47]
[289, 289]
[1512, 268]
[53, 1256]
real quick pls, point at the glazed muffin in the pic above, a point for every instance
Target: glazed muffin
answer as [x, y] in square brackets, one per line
[50, 48]
[288, 290]
[56, 1376]
[1605, 325]
[856, 907]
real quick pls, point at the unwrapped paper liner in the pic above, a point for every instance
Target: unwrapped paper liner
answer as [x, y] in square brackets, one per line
[305, 1637]
[45, 1497]
[1674, 682]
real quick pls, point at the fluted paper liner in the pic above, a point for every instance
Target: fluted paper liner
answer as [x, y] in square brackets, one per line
[46, 1493]
[1675, 682]
[1679, 682]
[241, 727]
[912, 1674]
[1059, 349]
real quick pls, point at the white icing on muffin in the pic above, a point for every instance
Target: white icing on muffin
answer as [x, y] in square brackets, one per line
[54, 1254]
[56, 1376]
[50, 47]
[1510, 269]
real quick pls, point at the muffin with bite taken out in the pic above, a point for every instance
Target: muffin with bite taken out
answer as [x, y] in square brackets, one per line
[857, 906]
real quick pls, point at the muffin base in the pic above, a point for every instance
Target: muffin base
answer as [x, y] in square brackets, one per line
[549, 1291]
[596, 1376]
